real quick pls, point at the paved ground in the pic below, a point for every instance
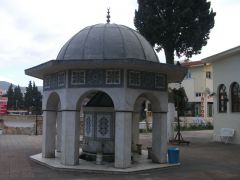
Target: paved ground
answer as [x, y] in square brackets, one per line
[203, 159]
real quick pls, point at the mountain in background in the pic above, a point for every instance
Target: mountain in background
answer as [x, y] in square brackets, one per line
[4, 85]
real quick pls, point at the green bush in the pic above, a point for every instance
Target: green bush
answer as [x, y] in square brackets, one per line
[196, 127]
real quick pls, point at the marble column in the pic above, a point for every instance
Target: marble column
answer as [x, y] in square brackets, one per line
[59, 131]
[159, 137]
[135, 130]
[49, 134]
[70, 138]
[123, 133]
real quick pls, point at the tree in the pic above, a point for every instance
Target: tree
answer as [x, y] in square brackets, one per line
[18, 98]
[37, 100]
[28, 100]
[33, 99]
[180, 26]
[180, 101]
[10, 96]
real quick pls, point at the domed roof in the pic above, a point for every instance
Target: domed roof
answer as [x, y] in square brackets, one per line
[107, 41]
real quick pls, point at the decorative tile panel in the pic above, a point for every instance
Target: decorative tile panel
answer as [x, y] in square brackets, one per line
[78, 77]
[104, 126]
[99, 78]
[113, 77]
[160, 81]
[54, 81]
[61, 79]
[146, 80]
[88, 125]
[134, 78]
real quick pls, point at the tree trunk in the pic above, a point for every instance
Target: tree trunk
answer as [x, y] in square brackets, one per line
[169, 54]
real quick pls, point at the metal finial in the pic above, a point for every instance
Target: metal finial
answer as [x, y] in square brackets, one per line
[108, 15]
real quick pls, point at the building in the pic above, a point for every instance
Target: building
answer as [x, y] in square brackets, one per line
[198, 85]
[226, 90]
[116, 69]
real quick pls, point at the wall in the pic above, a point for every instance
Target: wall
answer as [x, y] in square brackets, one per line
[198, 82]
[226, 71]
[21, 124]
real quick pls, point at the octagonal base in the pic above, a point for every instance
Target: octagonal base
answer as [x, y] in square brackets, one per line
[139, 164]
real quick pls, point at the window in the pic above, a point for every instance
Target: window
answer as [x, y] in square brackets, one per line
[160, 81]
[134, 78]
[113, 77]
[61, 79]
[222, 99]
[198, 94]
[210, 109]
[235, 97]
[197, 109]
[78, 77]
[47, 81]
[189, 75]
[208, 75]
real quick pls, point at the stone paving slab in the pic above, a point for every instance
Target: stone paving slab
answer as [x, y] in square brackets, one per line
[201, 160]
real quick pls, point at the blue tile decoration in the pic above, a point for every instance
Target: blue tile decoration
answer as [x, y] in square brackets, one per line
[104, 125]
[99, 125]
[146, 80]
[88, 125]
[98, 78]
[54, 81]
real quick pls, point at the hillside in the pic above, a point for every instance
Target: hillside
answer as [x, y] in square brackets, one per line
[4, 86]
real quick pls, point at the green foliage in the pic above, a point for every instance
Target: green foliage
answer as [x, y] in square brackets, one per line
[18, 98]
[197, 127]
[28, 97]
[10, 95]
[37, 100]
[181, 26]
[33, 99]
[180, 100]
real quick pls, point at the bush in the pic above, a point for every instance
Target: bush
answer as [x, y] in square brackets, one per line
[196, 127]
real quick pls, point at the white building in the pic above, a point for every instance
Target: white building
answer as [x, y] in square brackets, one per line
[226, 80]
[198, 85]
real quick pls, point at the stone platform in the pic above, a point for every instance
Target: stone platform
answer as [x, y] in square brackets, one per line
[139, 164]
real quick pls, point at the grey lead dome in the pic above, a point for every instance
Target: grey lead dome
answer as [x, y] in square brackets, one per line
[107, 41]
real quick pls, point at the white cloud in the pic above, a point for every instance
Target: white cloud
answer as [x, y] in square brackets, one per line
[33, 31]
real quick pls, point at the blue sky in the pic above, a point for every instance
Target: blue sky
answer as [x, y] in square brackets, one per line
[33, 31]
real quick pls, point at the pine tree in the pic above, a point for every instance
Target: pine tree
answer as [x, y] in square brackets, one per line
[181, 26]
[37, 100]
[28, 99]
[18, 98]
[10, 96]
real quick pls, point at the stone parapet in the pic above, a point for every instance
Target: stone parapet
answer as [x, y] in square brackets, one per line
[21, 124]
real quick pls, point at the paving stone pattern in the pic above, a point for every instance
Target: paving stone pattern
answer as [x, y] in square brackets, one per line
[203, 159]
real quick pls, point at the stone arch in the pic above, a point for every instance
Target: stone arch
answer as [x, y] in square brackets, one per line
[149, 96]
[159, 125]
[87, 93]
[53, 102]
[138, 110]
[51, 122]
[86, 101]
